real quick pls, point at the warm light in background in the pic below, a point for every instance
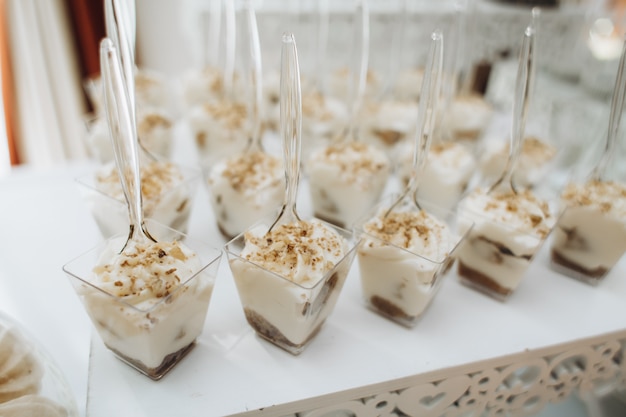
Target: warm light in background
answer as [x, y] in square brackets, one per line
[604, 41]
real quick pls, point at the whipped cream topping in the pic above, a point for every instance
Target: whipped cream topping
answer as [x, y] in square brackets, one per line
[608, 197]
[151, 121]
[451, 154]
[145, 272]
[249, 172]
[315, 106]
[535, 152]
[453, 159]
[231, 114]
[210, 79]
[302, 251]
[522, 211]
[409, 83]
[416, 231]
[356, 161]
[157, 178]
[391, 120]
[469, 113]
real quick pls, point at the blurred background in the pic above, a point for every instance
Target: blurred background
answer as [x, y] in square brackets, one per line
[49, 48]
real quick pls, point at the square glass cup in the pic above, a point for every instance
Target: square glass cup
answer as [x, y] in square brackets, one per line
[237, 207]
[154, 337]
[281, 311]
[587, 243]
[172, 208]
[399, 283]
[494, 257]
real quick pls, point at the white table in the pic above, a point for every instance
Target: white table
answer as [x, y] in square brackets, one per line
[359, 362]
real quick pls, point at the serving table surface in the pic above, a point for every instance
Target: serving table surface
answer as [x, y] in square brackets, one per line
[552, 336]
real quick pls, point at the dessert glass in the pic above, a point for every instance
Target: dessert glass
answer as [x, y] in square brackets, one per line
[286, 313]
[243, 189]
[496, 254]
[591, 233]
[155, 338]
[400, 283]
[590, 236]
[31, 383]
[171, 208]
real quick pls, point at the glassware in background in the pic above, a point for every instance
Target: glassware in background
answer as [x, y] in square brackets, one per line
[169, 191]
[31, 383]
[510, 222]
[348, 177]
[247, 186]
[219, 123]
[590, 236]
[601, 48]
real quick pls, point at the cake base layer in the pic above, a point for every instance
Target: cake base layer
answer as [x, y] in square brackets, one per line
[482, 282]
[158, 372]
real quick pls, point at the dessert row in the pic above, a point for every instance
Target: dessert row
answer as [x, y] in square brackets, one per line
[149, 305]
[148, 293]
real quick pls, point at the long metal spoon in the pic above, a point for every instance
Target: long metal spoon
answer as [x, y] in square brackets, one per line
[615, 118]
[525, 75]
[125, 143]
[431, 89]
[290, 127]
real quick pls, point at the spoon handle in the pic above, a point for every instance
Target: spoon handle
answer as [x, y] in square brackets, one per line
[615, 117]
[125, 144]
[120, 29]
[521, 98]
[290, 118]
[256, 72]
[361, 63]
[431, 88]
[230, 36]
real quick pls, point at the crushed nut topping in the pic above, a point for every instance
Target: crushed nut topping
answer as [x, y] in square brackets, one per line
[249, 170]
[405, 228]
[356, 160]
[607, 196]
[156, 179]
[232, 115]
[314, 106]
[524, 205]
[144, 268]
[293, 246]
[144, 81]
[153, 121]
[534, 149]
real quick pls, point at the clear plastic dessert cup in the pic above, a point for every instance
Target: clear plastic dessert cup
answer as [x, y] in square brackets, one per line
[590, 236]
[152, 326]
[170, 206]
[400, 277]
[31, 383]
[498, 250]
[345, 180]
[280, 310]
[243, 189]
